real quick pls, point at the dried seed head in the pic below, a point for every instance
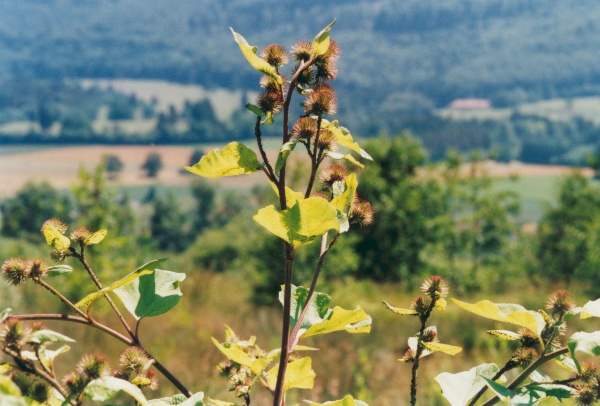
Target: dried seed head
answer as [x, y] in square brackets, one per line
[361, 212]
[133, 359]
[16, 270]
[421, 305]
[327, 64]
[589, 373]
[269, 84]
[38, 269]
[585, 395]
[60, 225]
[80, 234]
[524, 356]
[13, 334]
[560, 302]
[333, 173]
[436, 287]
[92, 366]
[528, 338]
[327, 140]
[275, 55]
[321, 101]
[75, 383]
[270, 101]
[302, 51]
[304, 129]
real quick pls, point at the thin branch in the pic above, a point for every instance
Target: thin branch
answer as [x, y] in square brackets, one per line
[420, 347]
[62, 298]
[268, 168]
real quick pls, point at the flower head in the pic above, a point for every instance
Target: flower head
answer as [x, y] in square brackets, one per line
[16, 270]
[275, 55]
[80, 234]
[585, 395]
[92, 366]
[302, 51]
[321, 101]
[436, 287]
[38, 269]
[304, 129]
[327, 64]
[560, 302]
[333, 173]
[60, 225]
[361, 212]
[270, 101]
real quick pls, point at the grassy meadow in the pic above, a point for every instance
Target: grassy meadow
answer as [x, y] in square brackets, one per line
[364, 365]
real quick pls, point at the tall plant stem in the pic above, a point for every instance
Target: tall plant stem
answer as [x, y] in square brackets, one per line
[415, 367]
[278, 395]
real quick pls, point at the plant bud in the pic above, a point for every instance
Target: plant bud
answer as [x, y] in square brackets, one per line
[327, 140]
[80, 234]
[92, 366]
[38, 269]
[60, 225]
[13, 334]
[16, 270]
[361, 212]
[134, 360]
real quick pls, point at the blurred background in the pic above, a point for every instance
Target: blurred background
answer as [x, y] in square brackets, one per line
[483, 118]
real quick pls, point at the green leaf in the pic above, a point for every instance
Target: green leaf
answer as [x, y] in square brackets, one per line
[530, 395]
[195, 400]
[590, 309]
[318, 309]
[4, 314]
[588, 343]
[284, 152]
[152, 294]
[343, 202]
[95, 238]
[344, 138]
[142, 270]
[57, 270]
[443, 348]
[257, 63]
[347, 157]
[459, 389]
[105, 388]
[307, 219]
[403, 312]
[233, 160]
[299, 375]
[255, 109]
[353, 321]
[321, 43]
[268, 118]
[347, 401]
[241, 357]
[507, 313]
[505, 334]
[44, 336]
[55, 238]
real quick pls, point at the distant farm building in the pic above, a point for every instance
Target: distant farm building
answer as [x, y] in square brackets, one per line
[470, 104]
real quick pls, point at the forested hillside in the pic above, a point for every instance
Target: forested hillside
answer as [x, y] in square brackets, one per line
[400, 58]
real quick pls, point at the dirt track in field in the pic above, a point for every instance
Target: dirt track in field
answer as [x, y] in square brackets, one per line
[60, 166]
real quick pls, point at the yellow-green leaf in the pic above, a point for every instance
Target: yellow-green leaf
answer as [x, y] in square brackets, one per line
[307, 219]
[353, 321]
[95, 238]
[507, 313]
[233, 160]
[347, 157]
[505, 334]
[403, 312]
[344, 138]
[257, 63]
[242, 358]
[347, 401]
[299, 375]
[145, 269]
[55, 238]
[590, 309]
[320, 44]
[344, 201]
[440, 304]
[291, 196]
[213, 402]
[445, 348]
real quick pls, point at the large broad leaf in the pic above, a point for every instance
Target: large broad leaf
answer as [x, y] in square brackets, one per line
[152, 294]
[459, 389]
[195, 400]
[291, 196]
[588, 343]
[257, 63]
[233, 160]
[321, 43]
[145, 269]
[347, 401]
[107, 387]
[307, 219]
[45, 336]
[507, 313]
[318, 309]
[343, 202]
[530, 395]
[299, 375]
[591, 309]
[55, 238]
[344, 138]
[347, 157]
[241, 357]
